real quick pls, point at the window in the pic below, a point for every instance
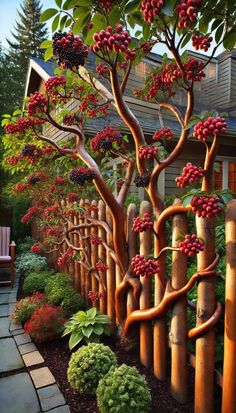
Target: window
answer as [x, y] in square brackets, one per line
[142, 69]
[225, 178]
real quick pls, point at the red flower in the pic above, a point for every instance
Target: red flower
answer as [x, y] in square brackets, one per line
[36, 249]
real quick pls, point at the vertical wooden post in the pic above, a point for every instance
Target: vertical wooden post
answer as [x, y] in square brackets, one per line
[102, 254]
[71, 266]
[132, 212]
[94, 254]
[145, 300]
[179, 313]
[111, 279]
[87, 281]
[229, 372]
[82, 243]
[205, 346]
[77, 279]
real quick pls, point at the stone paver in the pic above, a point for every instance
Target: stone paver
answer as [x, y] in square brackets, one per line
[50, 397]
[27, 348]
[4, 298]
[10, 358]
[17, 395]
[15, 326]
[4, 310]
[4, 327]
[17, 332]
[61, 409]
[42, 377]
[31, 359]
[22, 339]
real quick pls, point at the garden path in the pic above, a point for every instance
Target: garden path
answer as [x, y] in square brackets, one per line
[26, 384]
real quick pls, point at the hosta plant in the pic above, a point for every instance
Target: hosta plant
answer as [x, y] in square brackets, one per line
[88, 365]
[123, 390]
[25, 307]
[88, 326]
[46, 323]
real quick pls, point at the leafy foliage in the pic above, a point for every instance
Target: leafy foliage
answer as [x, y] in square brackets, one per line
[28, 262]
[36, 281]
[123, 390]
[24, 308]
[88, 365]
[86, 325]
[59, 280]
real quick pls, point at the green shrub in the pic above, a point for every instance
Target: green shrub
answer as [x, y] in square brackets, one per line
[36, 281]
[24, 308]
[88, 326]
[123, 390]
[25, 245]
[29, 262]
[72, 302]
[88, 365]
[59, 279]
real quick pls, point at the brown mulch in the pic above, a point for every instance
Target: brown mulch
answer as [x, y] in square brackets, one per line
[57, 355]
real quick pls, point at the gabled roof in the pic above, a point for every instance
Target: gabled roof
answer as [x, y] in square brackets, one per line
[37, 70]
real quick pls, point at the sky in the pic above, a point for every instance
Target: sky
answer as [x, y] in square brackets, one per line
[8, 16]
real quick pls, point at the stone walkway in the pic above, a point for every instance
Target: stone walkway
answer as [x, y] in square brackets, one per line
[33, 388]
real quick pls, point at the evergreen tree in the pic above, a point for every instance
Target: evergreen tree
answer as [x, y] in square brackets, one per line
[28, 35]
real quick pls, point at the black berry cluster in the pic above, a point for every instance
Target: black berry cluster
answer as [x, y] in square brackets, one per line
[201, 42]
[191, 245]
[144, 267]
[81, 175]
[206, 206]
[69, 50]
[142, 180]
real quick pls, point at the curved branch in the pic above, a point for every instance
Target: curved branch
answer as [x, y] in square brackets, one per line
[207, 325]
[170, 297]
[207, 182]
[126, 77]
[174, 110]
[129, 281]
[126, 185]
[51, 142]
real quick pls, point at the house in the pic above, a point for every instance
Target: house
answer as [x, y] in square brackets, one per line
[217, 91]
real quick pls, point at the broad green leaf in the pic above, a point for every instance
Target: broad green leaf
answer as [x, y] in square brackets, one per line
[46, 44]
[131, 6]
[17, 112]
[98, 329]
[186, 39]
[114, 16]
[48, 14]
[48, 54]
[5, 122]
[215, 24]
[58, 3]
[146, 31]
[55, 22]
[63, 22]
[75, 339]
[69, 4]
[87, 331]
[204, 22]
[92, 312]
[191, 123]
[187, 199]
[6, 115]
[168, 9]
[230, 41]
[83, 3]
[79, 23]
[219, 32]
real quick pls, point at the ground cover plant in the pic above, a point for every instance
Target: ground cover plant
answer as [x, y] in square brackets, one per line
[103, 34]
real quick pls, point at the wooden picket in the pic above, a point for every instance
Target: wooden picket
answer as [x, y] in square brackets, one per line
[152, 334]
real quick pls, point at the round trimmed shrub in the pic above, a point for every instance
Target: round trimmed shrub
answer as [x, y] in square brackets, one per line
[36, 281]
[88, 365]
[123, 390]
[58, 280]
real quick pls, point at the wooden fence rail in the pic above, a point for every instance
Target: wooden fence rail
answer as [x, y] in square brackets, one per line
[151, 334]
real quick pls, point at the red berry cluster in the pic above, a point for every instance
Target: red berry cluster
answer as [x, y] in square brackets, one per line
[72, 196]
[212, 126]
[20, 187]
[51, 210]
[104, 4]
[53, 231]
[90, 106]
[69, 50]
[31, 152]
[36, 249]
[81, 175]
[146, 46]
[148, 152]
[187, 11]
[161, 84]
[59, 181]
[66, 258]
[190, 174]
[150, 9]
[14, 160]
[144, 267]
[206, 206]
[95, 296]
[53, 83]
[92, 208]
[72, 119]
[201, 42]
[102, 69]
[103, 140]
[20, 126]
[141, 224]
[95, 240]
[100, 266]
[30, 213]
[37, 103]
[164, 133]
[191, 245]
[194, 70]
[116, 40]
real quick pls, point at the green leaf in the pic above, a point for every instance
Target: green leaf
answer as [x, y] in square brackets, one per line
[48, 14]
[79, 23]
[186, 39]
[114, 16]
[187, 199]
[87, 331]
[6, 115]
[55, 22]
[204, 22]
[230, 41]
[17, 112]
[146, 31]
[5, 122]
[168, 9]
[126, 139]
[48, 54]
[92, 312]
[219, 32]
[82, 3]
[98, 329]
[131, 6]
[192, 123]
[215, 24]
[75, 339]
[63, 22]
[46, 44]
[69, 4]
[58, 3]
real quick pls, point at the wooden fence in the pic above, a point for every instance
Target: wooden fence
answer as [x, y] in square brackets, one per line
[177, 339]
